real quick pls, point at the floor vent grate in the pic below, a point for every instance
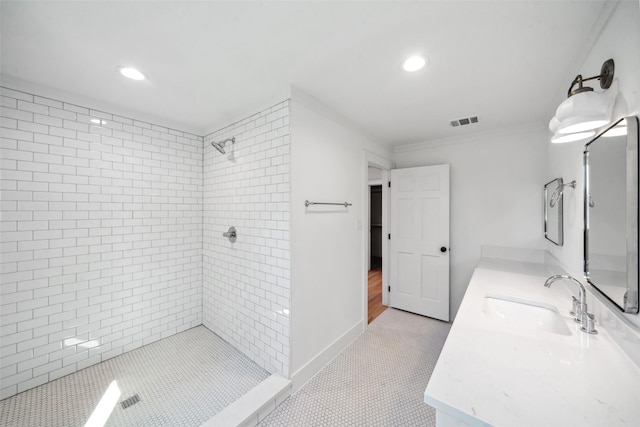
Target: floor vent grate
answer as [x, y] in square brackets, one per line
[130, 401]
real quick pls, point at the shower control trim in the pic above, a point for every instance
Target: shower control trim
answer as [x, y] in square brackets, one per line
[231, 234]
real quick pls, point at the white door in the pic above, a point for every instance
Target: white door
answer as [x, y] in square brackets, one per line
[419, 245]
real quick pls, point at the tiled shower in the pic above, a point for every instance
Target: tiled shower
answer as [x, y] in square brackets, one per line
[246, 284]
[112, 237]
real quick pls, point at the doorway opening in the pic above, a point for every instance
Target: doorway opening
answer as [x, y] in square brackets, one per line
[375, 173]
[375, 307]
[375, 227]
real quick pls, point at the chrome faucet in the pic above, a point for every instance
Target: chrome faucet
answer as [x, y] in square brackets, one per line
[582, 303]
[579, 312]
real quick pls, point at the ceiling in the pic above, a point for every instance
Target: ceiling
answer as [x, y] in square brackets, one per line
[210, 62]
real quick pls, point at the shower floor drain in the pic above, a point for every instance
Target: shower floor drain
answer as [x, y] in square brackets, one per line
[130, 401]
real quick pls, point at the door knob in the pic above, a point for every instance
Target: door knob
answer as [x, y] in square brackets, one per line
[443, 249]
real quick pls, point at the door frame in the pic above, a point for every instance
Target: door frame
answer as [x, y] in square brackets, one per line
[371, 159]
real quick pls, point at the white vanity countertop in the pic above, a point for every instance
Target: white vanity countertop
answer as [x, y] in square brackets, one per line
[502, 374]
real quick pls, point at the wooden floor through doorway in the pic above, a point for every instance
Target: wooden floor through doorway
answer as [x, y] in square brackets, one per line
[375, 293]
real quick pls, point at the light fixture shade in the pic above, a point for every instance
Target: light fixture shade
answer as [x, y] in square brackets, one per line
[554, 124]
[582, 124]
[583, 111]
[560, 138]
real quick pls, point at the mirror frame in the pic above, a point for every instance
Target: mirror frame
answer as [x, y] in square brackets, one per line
[630, 303]
[559, 207]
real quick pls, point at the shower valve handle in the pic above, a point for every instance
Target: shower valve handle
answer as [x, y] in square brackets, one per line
[231, 234]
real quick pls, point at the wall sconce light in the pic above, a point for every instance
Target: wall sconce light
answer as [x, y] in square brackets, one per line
[584, 110]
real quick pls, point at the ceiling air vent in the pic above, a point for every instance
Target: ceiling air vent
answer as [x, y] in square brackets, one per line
[465, 121]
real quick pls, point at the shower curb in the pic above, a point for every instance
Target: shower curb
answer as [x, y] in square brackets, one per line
[254, 406]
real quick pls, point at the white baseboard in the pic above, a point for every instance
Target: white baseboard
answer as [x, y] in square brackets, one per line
[311, 368]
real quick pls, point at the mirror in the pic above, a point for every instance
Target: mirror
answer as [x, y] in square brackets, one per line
[611, 213]
[553, 201]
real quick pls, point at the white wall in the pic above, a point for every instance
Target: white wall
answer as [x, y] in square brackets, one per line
[620, 40]
[246, 283]
[496, 193]
[328, 270]
[101, 237]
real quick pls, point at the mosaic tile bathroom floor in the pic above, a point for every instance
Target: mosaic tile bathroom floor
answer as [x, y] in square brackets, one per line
[379, 380]
[181, 380]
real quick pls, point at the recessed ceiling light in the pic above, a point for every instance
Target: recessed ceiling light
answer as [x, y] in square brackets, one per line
[414, 63]
[131, 73]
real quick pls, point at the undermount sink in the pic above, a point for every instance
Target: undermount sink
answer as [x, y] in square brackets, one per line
[515, 313]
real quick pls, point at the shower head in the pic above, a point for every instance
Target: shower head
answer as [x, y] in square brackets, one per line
[220, 145]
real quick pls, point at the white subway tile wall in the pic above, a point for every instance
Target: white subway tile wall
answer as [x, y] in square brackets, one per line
[246, 286]
[101, 237]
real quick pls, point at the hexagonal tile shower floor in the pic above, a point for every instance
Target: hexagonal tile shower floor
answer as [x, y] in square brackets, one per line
[379, 380]
[182, 380]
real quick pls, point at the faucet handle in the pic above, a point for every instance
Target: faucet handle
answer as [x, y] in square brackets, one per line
[588, 324]
[574, 306]
[579, 309]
